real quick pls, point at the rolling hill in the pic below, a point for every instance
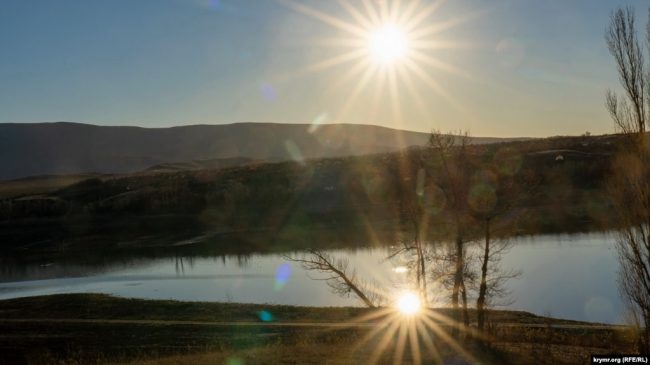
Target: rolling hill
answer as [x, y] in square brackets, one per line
[73, 148]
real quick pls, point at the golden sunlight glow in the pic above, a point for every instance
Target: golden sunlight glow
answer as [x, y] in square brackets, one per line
[388, 55]
[408, 304]
[388, 44]
[390, 47]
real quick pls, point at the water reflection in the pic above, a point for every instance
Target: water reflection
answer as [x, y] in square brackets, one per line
[571, 277]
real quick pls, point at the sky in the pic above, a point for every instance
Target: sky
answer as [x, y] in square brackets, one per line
[502, 68]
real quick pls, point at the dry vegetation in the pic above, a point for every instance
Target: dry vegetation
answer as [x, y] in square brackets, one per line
[336, 192]
[516, 337]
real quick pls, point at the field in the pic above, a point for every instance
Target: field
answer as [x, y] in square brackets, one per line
[89, 328]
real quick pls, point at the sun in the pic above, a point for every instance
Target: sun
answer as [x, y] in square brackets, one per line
[388, 44]
[385, 52]
[408, 304]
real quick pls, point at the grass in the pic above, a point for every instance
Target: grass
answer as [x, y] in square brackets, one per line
[103, 306]
[102, 334]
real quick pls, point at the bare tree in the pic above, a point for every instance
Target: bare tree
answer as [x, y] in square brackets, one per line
[452, 153]
[483, 293]
[628, 112]
[413, 210]
[629, 190]
[492, 288]
[416, 256]
[493, 195]
[340, 279]
[629, 187]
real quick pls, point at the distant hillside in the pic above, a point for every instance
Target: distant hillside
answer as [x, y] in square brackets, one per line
[549, 185]
[72, 148]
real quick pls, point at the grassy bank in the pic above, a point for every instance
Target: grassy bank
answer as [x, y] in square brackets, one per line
[91, 328]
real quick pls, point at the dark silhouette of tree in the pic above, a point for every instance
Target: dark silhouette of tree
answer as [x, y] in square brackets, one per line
[629, 187]
[630, 193]
[451, 153]
[491, 196]
[413, 210]
[340, 278]
[628, 112]
[492, 287]
[482, 293]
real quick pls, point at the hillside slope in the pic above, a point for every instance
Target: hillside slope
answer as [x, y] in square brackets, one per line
[69, 148]
[546, 186]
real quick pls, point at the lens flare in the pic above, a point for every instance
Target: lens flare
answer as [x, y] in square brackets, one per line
[282, 275]
[265, 316]
[408, 304]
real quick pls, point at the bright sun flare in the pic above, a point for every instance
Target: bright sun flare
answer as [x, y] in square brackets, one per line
[408, 304]
[389, 47]
[388, 44]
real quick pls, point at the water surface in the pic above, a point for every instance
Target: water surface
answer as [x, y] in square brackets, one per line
[572, 277]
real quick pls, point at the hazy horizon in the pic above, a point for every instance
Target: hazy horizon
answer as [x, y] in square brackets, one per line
[275, 123]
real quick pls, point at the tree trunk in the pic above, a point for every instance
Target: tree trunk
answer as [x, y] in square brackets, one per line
[359, 293]
[465, 310]
[458, 273]
[458, 278]
[422, 270]
[643, 344]
[416, 240]
[480, 302]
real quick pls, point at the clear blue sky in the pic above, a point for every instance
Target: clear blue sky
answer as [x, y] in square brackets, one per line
[531, 68]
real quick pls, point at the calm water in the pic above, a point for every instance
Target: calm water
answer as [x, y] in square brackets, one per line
[571, 277]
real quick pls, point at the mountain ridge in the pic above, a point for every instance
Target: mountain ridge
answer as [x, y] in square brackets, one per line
[28, 149]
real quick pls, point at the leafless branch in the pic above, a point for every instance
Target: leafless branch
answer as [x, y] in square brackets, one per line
[341, 280]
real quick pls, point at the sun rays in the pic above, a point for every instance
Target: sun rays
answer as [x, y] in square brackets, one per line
[425, 334]
[389, 48]
[386, 56]
[408, 331]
